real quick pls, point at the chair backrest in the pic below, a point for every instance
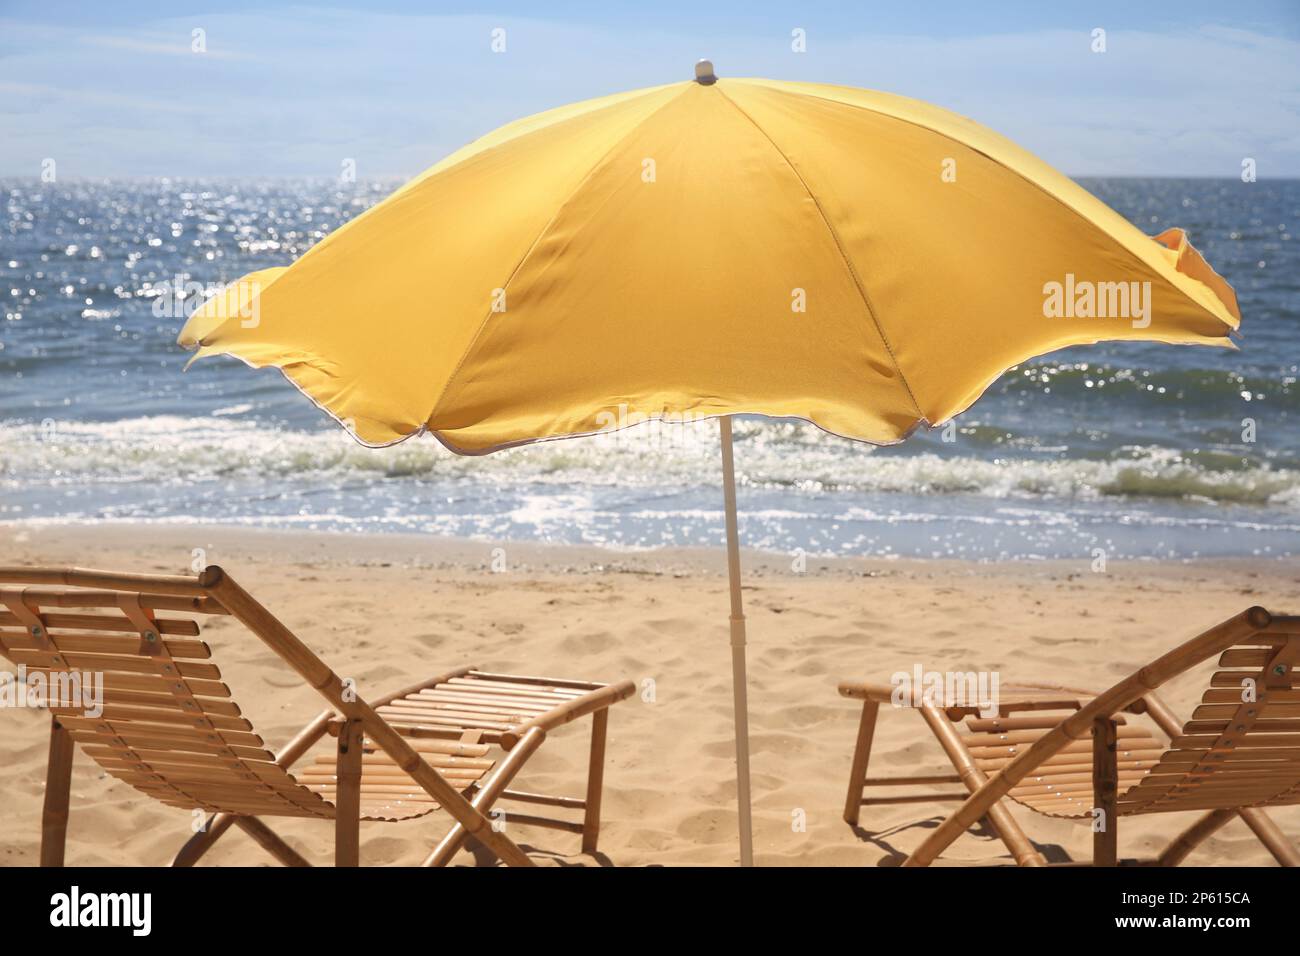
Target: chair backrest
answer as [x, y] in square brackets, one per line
[1241, 747]
[168, 725]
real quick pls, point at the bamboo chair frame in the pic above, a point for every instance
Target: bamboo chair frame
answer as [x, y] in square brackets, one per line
[1233, 757]
[168, 719]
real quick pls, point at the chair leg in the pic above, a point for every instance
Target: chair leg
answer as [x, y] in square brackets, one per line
[347, 797]
[1193, 836]
[488, 795]
[861, 754]
[1283, 850]
[199, 844]
[266, 838]
[998, 816]
[1105, 793]
[58, 790]
[595, 781]
[219, 823]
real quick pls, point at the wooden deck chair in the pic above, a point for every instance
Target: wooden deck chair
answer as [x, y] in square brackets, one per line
[170, 729]
[1240, 752]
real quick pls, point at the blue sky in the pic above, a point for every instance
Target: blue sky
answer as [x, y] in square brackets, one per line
[114, 89]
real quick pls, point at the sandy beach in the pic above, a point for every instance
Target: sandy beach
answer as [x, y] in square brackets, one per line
[389, 609]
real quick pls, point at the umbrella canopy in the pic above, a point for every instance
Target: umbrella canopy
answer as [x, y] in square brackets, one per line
[863, 261]
[860, 260]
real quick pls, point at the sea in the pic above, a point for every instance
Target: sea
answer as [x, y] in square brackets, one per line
[1119, 451]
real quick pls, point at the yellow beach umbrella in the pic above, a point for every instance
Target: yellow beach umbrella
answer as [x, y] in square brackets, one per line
[860, 260]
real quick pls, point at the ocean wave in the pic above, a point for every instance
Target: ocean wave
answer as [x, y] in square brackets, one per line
[793, 457]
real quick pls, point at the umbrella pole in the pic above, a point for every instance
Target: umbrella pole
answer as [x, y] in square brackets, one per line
[737, 648]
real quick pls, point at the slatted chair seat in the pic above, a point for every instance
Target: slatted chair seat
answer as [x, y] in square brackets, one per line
[477, 700]
[1069, 753]
[1062, 785]
[170, 728]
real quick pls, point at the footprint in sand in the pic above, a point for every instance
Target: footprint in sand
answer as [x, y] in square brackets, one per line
[587, 643]
[708, 826]
[805, 715]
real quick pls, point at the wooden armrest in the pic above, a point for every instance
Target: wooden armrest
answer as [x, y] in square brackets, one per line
[866, 690]
[567, 713]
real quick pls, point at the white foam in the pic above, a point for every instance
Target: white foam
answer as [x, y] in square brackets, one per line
[770, 455]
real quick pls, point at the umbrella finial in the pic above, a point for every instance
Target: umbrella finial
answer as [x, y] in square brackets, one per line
[704, 73]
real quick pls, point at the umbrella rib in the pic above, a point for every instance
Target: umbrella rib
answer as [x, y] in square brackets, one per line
[478, 147]
[1016, 172]
[839, 246]
[595, 167]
